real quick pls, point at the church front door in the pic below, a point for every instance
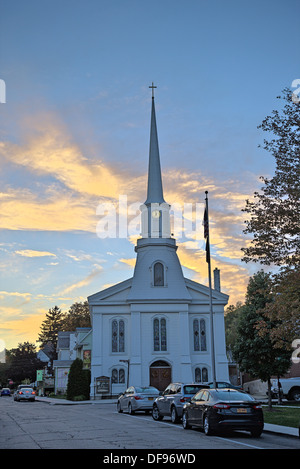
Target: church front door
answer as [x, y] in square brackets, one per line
[160, 374]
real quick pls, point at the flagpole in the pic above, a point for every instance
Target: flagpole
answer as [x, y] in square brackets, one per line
[212, 336]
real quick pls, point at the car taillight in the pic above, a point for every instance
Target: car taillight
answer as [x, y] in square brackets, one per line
[221, 406]
[33, 392]
[184, 399]
[20, 392]
[137, 398]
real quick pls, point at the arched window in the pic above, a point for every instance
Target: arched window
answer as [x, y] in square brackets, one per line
[118, 335]
[159, 275]
[160, 334]
[201, 375]
[118, 376]
[199, 333]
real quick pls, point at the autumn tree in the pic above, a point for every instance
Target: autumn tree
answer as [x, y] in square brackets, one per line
[284, 309]
[77, 316]
[255, 353]
[275, 211]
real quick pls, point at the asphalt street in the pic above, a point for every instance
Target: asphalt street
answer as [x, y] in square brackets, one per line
[39, 425]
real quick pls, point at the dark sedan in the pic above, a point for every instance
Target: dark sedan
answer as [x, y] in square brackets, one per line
[223, 409]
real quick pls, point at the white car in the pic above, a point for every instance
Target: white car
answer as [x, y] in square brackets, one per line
[27, 394]
[137, 398]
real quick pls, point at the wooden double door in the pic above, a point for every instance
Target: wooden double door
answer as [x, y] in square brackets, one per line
[160, 374]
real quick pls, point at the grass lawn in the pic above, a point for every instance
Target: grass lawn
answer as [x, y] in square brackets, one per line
[287, 416]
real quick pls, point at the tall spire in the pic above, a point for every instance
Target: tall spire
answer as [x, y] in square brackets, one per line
[155, 189]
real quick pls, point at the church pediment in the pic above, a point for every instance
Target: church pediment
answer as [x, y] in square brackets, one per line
[118, 292]
[199, 292]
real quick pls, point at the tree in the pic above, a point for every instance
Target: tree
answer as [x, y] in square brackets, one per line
[78, 381]
[275, 213]
[23, 363]
[255, 353]
[50, 328]
[284, 309]
[77, 316]
[232, 317]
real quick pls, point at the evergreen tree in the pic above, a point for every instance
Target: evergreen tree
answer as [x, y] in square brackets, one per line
[78, 381]
[50, 328]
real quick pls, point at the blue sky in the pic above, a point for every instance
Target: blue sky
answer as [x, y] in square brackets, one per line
[75, 134]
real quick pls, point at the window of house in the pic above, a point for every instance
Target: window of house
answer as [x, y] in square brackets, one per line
[160, 334]
[158, 274]
[199, 333]
[118, 335]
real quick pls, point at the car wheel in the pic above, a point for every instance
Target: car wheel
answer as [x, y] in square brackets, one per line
[174, 415]
[256, 432]
[295, 394]
[156, 415]
[119, 407]
[185, 421]
[206, 426]
[130, 410]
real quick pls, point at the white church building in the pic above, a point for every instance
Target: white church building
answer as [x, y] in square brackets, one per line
[154, 328]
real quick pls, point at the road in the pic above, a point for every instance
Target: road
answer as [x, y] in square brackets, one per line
[38, 425]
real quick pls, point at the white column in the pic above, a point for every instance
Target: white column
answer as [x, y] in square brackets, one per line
[97, 356]
[185, 357]
[135, 371]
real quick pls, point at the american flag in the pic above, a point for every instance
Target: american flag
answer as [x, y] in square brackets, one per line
[205, 223]
[206, 232]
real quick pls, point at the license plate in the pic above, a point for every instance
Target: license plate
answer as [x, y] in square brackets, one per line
[150, 398]
[242, 410]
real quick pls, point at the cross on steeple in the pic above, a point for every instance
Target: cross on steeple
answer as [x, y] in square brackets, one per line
[152, 89]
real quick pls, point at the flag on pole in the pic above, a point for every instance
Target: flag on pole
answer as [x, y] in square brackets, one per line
[206, 234]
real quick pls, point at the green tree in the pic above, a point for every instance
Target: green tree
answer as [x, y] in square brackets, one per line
[23, 363]
[78, 381]
[275, 212]
[255, 353]
[50, 328]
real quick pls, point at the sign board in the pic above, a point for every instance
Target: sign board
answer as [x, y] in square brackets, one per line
[39, 375]
[102, 385]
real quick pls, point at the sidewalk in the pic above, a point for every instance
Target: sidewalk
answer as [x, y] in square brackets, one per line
[267, 426]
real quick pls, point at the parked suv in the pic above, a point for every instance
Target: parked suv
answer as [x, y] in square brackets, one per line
[172, 400]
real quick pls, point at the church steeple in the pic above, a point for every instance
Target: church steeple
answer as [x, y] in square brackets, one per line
[155, 211]
[155, 188]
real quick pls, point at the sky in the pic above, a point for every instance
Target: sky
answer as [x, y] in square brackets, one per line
[74, 138]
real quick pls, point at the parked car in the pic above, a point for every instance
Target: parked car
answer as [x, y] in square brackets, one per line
[289, 388]
[225, 384]
[172, 400]
[5, 392]
[226, 409]
[27, 394]
[137, 398]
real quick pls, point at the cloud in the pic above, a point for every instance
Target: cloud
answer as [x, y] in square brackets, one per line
[31, 253]
[82, 283]
[49, 150]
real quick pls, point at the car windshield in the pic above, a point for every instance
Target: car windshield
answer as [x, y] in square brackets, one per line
[231, 395]
[147, 390]
[191, 389]
[26, 389]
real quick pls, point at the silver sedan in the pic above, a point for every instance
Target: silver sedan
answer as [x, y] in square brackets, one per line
[26, 394]
[137, 398]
